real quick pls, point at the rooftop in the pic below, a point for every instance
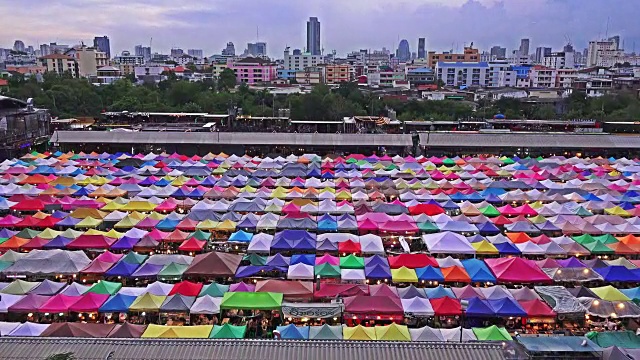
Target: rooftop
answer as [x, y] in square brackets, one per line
[529, 140]
[57, 56]
[481, 64]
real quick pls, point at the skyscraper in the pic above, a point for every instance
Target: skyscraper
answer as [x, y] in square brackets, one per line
[313, 36]
[196, 53]
[499, 52]
[422, 54]
[541, 52]
[230, 50]
[257, 49]
[144, 51]
[102, 43]
[524, 47]
[404, 52]
[616, 40]
[18, 45]
[176, 52]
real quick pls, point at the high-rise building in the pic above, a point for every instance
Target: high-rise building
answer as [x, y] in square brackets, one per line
[257, 49]
[55, 48]
[568, 48]
[102, 43]
[175, 52]
[45, 50]
[404, 52]
[524, 47]
[230, 50]
[541, 53]
[599, 51]
[313, 36]
[18, 45]
[196, 53]
[422, 54]
[143, 51]
[499, 52]
[616, 39]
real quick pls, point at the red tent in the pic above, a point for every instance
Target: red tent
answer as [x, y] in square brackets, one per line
[29, 205]
[373, 305]
[47, 222]
[27, 222]
[176, 236]
[292, 290]
[35, 243]
[349, 247]
[187, 225]
[412, 261]
[427, 209]
[192, 244]
[446, 306]
[186, 288]
[399, 227]
[91, 242]
[335, 290]
[517, 270]
[537, 308]
[97, 266]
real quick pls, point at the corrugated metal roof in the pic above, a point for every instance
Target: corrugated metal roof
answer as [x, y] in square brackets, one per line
[165, 137]
[529, 140]
[174, 349]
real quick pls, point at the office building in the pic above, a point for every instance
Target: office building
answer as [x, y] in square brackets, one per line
[474, 74]
[499, 52]
[196, 53]
[404, 52]
[604, 52]
[18, 45]
[300, 61]
[45, 50]
[524, 47]
[176, 52]
[143, 51]
[559, 60]
[55, 48]
[470, 55]
[541, 52]
[253, 70]
[60, 64]
[313, 36]
[422, 54]
[230, 50]
[257, 49]
[102, 44]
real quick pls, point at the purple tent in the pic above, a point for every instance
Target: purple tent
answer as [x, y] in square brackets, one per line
[571, 262]
[377, 271]
[252, 270]
[278, 260]
[294, 240]
[147, 270]
[29, 303]
[125, 243]
[242, 287]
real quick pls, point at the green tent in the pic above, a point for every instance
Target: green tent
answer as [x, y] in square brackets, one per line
[105, 287]
[251, 300]
[19, 287]
[581, 211]
[352, 262]
[427, 227]
[28, 233]
[255, 259]
[623, 339]
[214, 290]
[327, 270]
[492, 333]
[3, 240]
[351, 161]
[448, 162]
[133, 257]
[227, 331]
[200, 235]
[172, 270]
[5, 264]
[583, 239]
[489, 211]
[606, 239]
[597, 247]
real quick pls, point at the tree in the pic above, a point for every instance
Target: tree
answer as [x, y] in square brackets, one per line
[227, 80]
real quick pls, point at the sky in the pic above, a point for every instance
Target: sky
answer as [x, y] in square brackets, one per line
[346, 25]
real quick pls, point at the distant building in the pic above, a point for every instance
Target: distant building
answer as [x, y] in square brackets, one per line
[18, 45]
[422, 53]
[600, 52]
[127, 63]
[543, 77]
[143, 51]
[559, 60]
[45, 50]
[217, 68]
[230, 50]
[524, 47]
[55, 48]
[60, 64]
[313, 36]
[257, 49]
[541, 52]
[103, 44]
[470, 74]
[253, 70]
[421, 76]
[301, 61]
[335, 74]
[500, 53]
[89, 60]
[404, 52]
[309, 76]
[196, 53]
[470, 55]
[176, 52]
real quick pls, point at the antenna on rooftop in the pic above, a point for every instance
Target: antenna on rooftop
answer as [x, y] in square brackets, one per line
[606, 34]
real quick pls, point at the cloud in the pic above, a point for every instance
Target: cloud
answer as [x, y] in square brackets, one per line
[346, 25]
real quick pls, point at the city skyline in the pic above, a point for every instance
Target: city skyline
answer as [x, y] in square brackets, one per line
[209, 25]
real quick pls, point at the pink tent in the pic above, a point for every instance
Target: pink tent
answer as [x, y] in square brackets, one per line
[89, 302]
[517, 270]
[59, 303]
[326, 258]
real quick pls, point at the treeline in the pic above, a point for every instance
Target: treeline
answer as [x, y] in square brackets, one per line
[68, 97]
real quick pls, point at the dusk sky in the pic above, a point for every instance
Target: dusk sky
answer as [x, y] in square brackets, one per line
[347, 25]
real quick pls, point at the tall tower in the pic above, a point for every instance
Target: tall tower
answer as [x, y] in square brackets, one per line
[313, 36]
[421, 48]
[404, 52]
[524, 47]
[103, 44]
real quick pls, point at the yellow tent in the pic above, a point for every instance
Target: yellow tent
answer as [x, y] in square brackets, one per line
[403, 275]
[617, 210]
[126, 223]
[359, 333]
[226, 225]
[113, 206]
[49, 234]
[610, 293]
[147, 302]
[207, 224]
[156, 216]
[89, 222]
[82, 213]
[393, 332]
[484, 247]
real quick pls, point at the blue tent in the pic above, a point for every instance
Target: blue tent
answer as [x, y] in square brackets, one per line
[488, 228]
[307, 259]
[376, 260]
[617, 273]
[125, 243]
[507, 248]
[58, 242]
[117, 303]
[377, 272]
[122, 268]
[251, 270]
[292, 332]
[294, 240]
[167, 224]
[507, 307]
[429, 273]
[478, 270]
[479, 308]
[633, 293]
[278, 260]
[241, 236]
[439, 292]
[327, 225]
